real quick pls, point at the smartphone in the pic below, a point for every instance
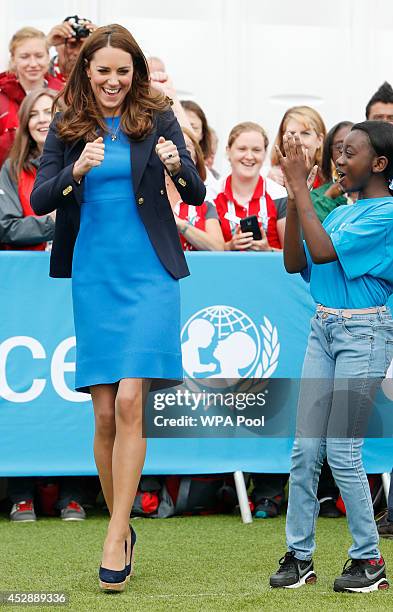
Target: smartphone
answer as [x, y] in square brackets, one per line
[250, 224]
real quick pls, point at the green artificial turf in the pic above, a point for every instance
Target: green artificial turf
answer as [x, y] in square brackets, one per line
[209, 563]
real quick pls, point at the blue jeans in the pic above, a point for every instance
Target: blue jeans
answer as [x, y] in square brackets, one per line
[345, 361]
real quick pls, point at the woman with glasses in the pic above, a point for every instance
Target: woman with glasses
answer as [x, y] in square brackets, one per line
[330, 195]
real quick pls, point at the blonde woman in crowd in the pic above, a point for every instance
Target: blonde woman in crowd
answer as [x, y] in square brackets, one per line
[28, 70]
[247, 193]
[308, 123]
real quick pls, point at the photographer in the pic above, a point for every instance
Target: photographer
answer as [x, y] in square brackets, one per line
[68, 37]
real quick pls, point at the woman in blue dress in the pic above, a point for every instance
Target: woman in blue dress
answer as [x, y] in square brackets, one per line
[103, 170]
[348, 262]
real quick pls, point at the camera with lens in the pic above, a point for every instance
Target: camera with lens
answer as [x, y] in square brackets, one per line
[79, 26]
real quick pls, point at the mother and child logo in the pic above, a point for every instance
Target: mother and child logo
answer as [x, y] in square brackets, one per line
[227, 360]
[223, 342]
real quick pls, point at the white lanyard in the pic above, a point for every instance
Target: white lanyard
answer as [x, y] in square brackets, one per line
[263, 218]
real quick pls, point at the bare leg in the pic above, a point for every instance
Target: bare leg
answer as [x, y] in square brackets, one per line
[129, 452]
[103, 397]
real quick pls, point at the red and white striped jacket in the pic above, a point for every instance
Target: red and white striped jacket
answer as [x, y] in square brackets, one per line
[261, 204]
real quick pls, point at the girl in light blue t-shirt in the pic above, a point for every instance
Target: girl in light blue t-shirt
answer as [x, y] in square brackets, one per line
[348, 262]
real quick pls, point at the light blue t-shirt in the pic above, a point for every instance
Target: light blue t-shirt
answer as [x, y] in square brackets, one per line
[362, 236]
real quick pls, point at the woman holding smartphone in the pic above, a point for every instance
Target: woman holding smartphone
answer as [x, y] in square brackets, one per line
[247, 194]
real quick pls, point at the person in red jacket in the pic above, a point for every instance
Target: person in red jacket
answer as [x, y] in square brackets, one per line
[20, 228]
[28, 71]
[246, 193]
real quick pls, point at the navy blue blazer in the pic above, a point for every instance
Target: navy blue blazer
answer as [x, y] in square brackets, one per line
[55, 189]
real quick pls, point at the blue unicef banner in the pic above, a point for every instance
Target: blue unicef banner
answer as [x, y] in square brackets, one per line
[242, 316]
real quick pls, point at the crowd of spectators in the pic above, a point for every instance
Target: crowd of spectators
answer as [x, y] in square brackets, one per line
[27, 91]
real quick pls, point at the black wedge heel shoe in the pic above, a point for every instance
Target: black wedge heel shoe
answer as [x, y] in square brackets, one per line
[129, 568]
[113, 580]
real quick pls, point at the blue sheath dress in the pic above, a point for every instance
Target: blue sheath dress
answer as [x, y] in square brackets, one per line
[126, 304]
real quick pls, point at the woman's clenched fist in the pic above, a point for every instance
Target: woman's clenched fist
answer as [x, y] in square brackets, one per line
[168, 154]
[91, 156]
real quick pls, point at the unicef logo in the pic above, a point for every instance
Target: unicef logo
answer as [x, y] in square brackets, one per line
[223, 342]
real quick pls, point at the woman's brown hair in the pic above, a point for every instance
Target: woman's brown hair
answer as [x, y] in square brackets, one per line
[247, 126]
[24, 149]
[205, 143]
[311, 119]
[82, 115]
[199, 159]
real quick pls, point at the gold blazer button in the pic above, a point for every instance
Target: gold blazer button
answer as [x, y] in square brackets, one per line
[161, 191]
[67, 190]
[182, 182]
[140, 201]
